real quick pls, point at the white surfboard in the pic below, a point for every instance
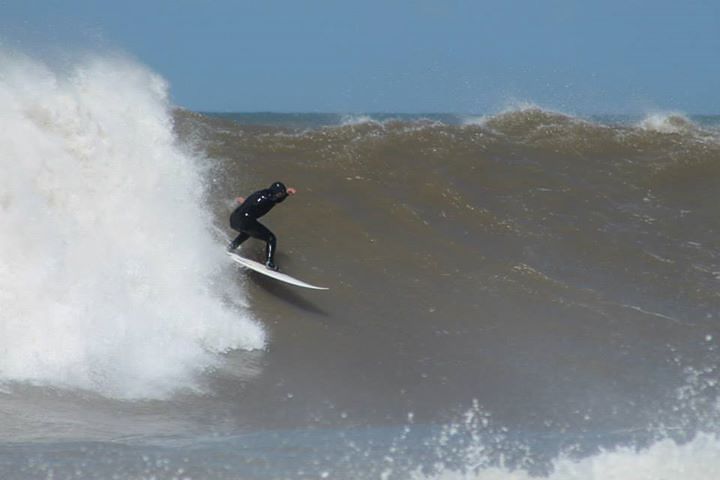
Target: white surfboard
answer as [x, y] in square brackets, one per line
[260, 268]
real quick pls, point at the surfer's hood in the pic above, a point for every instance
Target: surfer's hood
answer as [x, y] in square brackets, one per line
[278, 190]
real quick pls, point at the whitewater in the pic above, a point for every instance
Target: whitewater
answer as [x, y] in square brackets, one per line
[110, 278]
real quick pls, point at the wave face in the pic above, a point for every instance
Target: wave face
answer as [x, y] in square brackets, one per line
[562, 271]
[623, 210]
[110, 280]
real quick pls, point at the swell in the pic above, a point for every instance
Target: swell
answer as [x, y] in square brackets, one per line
[529, 169]
[572, 257]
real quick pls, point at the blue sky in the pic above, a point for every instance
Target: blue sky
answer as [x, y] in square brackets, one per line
[478, 56]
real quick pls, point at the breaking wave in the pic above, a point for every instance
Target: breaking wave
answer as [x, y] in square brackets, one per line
[110, 278]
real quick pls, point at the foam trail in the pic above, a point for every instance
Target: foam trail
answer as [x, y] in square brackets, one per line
[110, 279]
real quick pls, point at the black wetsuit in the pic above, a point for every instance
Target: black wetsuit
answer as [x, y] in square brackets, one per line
[244, 219]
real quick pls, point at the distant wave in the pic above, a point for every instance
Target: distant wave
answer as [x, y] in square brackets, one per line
[671, 136]
[668, 123]
[357, 120]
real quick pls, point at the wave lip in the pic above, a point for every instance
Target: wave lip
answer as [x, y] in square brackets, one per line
[109, 280]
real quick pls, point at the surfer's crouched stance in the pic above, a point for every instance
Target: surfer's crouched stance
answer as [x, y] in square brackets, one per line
[244, 219]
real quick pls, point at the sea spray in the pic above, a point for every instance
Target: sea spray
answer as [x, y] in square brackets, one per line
[110, 278]
[683, 444]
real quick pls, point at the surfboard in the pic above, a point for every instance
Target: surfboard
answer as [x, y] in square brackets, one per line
[260, 268]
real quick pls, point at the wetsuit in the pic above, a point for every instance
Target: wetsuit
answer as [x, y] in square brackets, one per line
[244, 220]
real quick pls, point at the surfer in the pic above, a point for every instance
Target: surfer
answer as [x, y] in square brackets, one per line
[244, 219]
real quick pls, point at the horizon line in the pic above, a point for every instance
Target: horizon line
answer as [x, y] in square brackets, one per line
[311, 112]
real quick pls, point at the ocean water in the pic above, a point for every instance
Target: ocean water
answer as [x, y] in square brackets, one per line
[519, 294]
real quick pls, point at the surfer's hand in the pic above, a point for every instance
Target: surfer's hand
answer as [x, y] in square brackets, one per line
[291, 191]
[239, 200]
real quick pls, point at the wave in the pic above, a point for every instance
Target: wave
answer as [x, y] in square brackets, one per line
[683, 445]
[525, 124]
[697, 459]
[110, 278]
[357, 120]
[668, 123]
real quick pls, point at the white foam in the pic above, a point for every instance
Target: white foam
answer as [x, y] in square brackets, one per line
[351, 120]
[476, 120]
[698, 459]
[110, 279]
[525, 106]
[667, 122]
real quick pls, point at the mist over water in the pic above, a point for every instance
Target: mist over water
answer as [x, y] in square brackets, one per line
[513, 295]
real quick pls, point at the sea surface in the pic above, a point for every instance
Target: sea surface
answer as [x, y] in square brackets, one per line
[518, 294]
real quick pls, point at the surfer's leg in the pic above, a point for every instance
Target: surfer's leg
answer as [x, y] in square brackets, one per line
[238, 241]
[261, 232]
[270, 248]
